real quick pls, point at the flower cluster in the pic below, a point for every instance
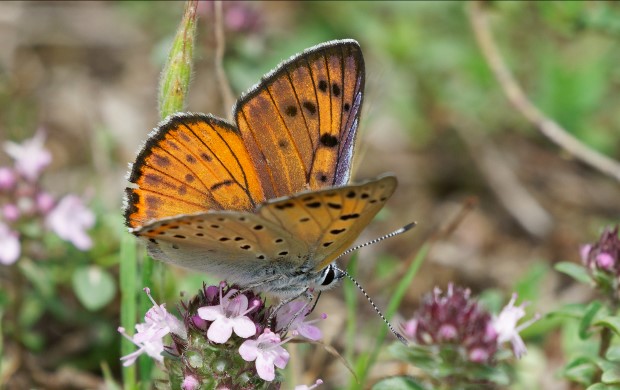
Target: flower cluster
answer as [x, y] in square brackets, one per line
[453, 319]
[603, 255]
[225, 338]
[459, 344]
[23, 202]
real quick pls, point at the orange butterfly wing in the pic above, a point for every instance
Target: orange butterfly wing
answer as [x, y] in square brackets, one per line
[299, 123]
[189, 164]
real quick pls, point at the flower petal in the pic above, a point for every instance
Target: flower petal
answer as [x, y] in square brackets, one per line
[244, 327]
[210, 313]
[310, 332]
[264, 367]
[281, 358]
[249, 350]
[220, 330]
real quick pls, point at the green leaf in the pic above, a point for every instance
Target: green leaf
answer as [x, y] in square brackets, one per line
[571, 310]
[494, 374]
[611, 322]
[613, 353]
[575, 271]
[94, 287]
[601, 386]
[37, 275]
[415, 355]
[588, 316]
[398, 383]
[580, 370]
[611, 372]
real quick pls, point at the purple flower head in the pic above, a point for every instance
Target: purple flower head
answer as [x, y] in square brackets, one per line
[30, 156]
[10, 247]
[454, 319]
[294, 313]
[267, 351]
[603, 255]
[70, 219]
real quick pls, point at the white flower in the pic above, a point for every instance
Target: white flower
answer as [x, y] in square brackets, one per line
[505, 324]
[229, 315]
[150, 335]
[70, 219]
[30, 156]
[267, 351]
[10, 248]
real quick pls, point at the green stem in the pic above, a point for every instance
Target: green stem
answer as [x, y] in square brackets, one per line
[128, 279]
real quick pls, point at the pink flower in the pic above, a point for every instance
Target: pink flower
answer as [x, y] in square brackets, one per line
[229, 315]
[45, 202]
[7, 178]
[30, 156]
[505, 324]
[10, 248]
[150, 334]
[296, 311]
[69, 220]
[190, 383]
[10, 212]
[267, 351]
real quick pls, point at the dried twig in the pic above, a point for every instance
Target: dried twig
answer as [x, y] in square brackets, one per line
[519, 100]
[228, 98]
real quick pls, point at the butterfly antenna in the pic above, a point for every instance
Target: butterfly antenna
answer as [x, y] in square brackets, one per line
[398, 335]
[376, 240]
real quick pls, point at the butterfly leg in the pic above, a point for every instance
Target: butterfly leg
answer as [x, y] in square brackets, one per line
[253, 286]
[308, 294]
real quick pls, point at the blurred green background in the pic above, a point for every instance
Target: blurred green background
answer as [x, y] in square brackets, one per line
[434, 115]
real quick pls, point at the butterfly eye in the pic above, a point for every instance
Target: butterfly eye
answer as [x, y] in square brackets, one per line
[331, 275]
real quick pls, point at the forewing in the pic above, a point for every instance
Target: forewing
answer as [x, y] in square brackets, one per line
[330, 220]
[191, 163]
[299, 123]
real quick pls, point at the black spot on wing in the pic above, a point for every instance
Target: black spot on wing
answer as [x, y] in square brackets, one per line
[328, 140]
[335, 89]
[290, 111]
[310, 107]
[323, 85]
[346, 217]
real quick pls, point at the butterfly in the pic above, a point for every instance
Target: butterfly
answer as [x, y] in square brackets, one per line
[263, 202]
